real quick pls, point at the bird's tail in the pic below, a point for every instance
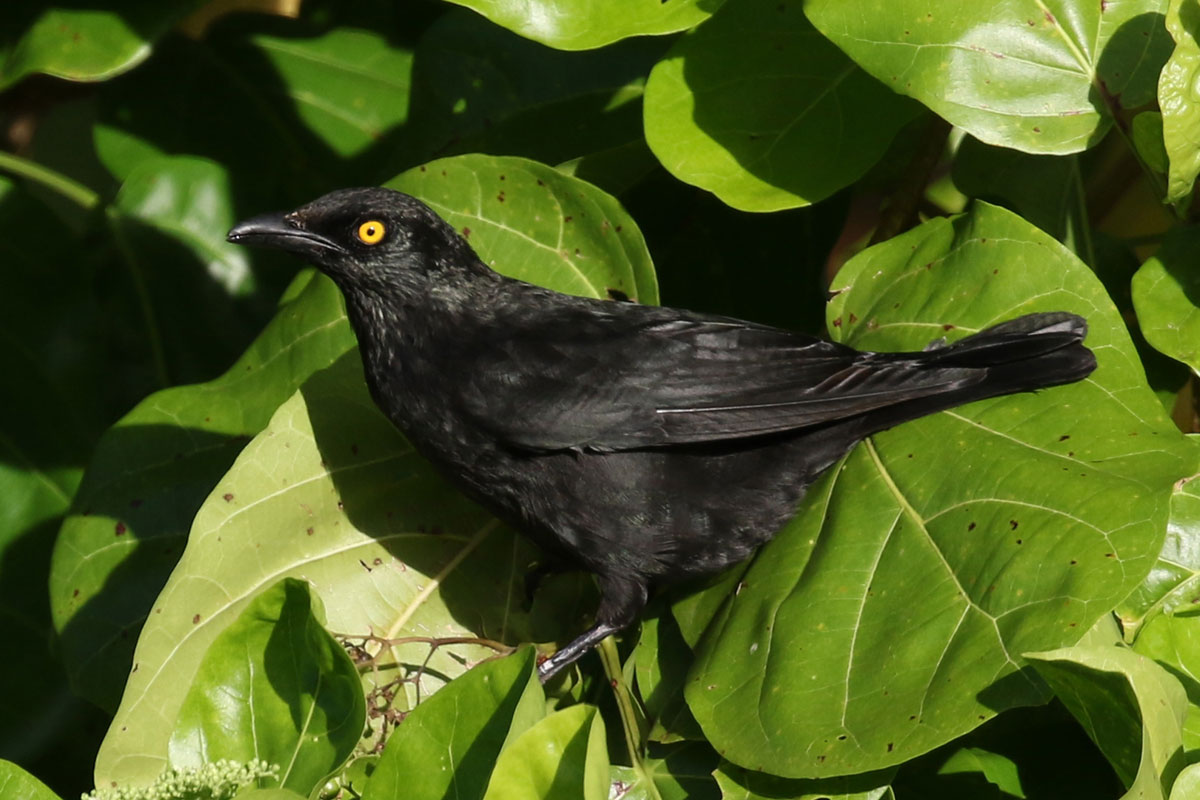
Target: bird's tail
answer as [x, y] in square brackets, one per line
[1031, 352]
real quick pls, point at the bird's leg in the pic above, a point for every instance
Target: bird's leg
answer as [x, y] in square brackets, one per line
[621, 601]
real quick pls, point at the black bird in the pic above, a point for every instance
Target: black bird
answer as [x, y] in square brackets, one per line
[643, 444]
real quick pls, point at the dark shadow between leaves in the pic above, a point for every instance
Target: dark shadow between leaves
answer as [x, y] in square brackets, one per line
[1144, 36]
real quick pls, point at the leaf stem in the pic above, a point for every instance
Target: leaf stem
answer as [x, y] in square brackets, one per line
[55, 181]
[633, 737]
[153, 332]
[1079, 224]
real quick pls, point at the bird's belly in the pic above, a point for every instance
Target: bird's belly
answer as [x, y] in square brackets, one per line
[664, 515]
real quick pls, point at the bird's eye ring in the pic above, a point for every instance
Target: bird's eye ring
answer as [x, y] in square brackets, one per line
[371, 232]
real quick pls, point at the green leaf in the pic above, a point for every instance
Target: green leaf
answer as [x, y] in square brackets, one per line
[742, 784]
[449, 743]
[306, 113]
[1187, 783]
[1180, 116]
[1132, 709]
[529, 221]
[1172, 584]
[921, 567]
[682, 771]
[1147, 132]
[329, 493]
[999, 770]
[88, 44]
[584, 24]
[273, 686]
[188, 199]
[1033, 76]
[1166, 291]
[386, 561]
[349, 87]
[561, 756]
[1173, 641]
[759, 108]
[151, 471]
[1046, 190]
[478, 87]
[20, 785]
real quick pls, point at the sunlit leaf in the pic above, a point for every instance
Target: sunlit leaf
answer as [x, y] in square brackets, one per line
[1030, 75]
[890, 615]
[762, 110]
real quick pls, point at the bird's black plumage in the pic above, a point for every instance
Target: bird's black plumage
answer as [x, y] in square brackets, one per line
[643, 444]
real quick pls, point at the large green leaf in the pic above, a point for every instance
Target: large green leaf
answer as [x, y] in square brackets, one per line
[1176, 98]
[1132, 708]
[584, 24]
[274, 686]
[448, 745]
[529, 221]
[1036, 76]
[151, 471]
[331, 493]
[759, 108]
[561, 756]
[86, 44]
[890, 615]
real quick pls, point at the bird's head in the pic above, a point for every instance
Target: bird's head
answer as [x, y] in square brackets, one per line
[364, 238]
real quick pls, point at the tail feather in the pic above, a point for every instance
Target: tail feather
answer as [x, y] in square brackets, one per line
[1019, 340]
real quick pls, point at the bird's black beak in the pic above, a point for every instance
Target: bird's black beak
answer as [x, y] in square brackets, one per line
[285, 232]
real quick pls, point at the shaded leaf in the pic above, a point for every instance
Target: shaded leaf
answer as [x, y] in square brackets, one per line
[1131, 707]
[480, 88]
[1166, 296]
[574, 25]
[151, 471]
[315, 496]
[1045, 190]
[188, 199]
[1180, 116]
[900, 602]
[999, 770]
[273, 686]
[682, 771]
[449, 743]
[1033, 76]
[1173, 641]
[759, 108]
[86, 44]
[741, 784]
[561, 756]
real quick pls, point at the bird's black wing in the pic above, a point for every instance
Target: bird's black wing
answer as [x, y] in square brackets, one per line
[644, 377]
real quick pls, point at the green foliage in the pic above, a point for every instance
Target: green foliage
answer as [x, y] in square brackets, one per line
[245, 561]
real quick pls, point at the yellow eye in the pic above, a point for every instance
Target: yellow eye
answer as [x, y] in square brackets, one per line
[371, 232]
